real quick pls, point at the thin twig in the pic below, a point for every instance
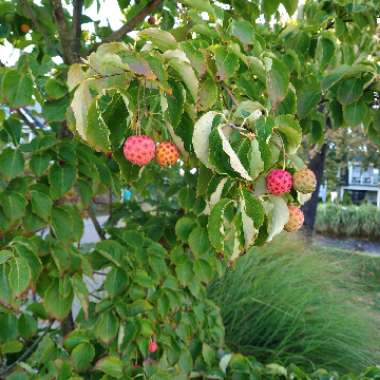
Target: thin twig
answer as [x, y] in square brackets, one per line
[117, 35]
[63, 31]
[77, 29]
[230, 94]
[26, 353]
[95, 222]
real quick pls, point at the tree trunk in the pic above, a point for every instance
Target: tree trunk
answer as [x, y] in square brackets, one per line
[317, 165]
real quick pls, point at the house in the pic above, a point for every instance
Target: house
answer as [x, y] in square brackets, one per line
[363, 184]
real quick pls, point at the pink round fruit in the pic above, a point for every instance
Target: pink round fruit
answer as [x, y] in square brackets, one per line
[296, 219]
[152, 348]
[279, 181]
[139, 150]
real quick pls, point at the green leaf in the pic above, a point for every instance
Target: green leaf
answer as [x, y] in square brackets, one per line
[200, 5]
[55, 88]
[61, 179]
[244, 31]
[112, 251]
[19, 276]
[17, 88]
[13, 205]
[184, 226]
[5, 255]
[81, 291]
[307, 100]
[39, 163]
[56, 304]
[355, 113]
[184, 271]
[82, 356]
[198, 241]
[11, 163]
[277, 212]
[187, 75]
[41, 204]
[290, 131]
[277, 81]
[176, 103]
[227, 62]
[159, 38]
[11, 347]
[325, 51]
[111, 365]
[27, 326]
[290, 6]
[142, 278]
[256, 163]
[269, 7]
[98, 134]
[208, 93]
[106, 327]
[62, 223]
[116, 282]
[349, 91]
[215, 224]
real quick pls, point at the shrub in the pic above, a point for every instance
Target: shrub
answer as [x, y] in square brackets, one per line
[350, 221]
[281, 303]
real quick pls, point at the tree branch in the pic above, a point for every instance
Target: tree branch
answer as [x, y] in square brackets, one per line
[63, 31]
[117, 35]
[95, 222]
[77, 29]
[28, 352]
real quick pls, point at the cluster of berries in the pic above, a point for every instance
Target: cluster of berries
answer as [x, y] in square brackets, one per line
[280, 181]
[141, 149]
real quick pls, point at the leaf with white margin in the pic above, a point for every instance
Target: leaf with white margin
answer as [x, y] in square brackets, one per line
[234, 160]
[217, 194]
[237, 243]
[75, 75]
[215, 225]
[249, 110]
[202, 129]
[256, 163]
[224, 362]
[80, 105]
[186, 72]
[160, 38]
[303, 198]
[252, 216]
[278, 215]
[177, 53]
[177, 141]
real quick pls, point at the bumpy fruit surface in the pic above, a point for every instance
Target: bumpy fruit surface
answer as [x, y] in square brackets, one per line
[296, 219]
[139, 149]
[304, 181]
[279, 181]
[152, 348]
[166, 154]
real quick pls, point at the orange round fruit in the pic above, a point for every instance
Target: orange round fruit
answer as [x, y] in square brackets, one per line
[24, 28]
[296, 219]
[166, 154]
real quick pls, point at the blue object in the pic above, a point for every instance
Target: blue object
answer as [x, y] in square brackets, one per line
[126, 195]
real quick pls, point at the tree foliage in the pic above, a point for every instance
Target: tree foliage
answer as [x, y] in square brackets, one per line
[234, 94]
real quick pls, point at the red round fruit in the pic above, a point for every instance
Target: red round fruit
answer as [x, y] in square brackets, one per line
[139, 149]
[152, 348]
[24, 28]
[296, 219]
[166, 154]
[279, 181]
